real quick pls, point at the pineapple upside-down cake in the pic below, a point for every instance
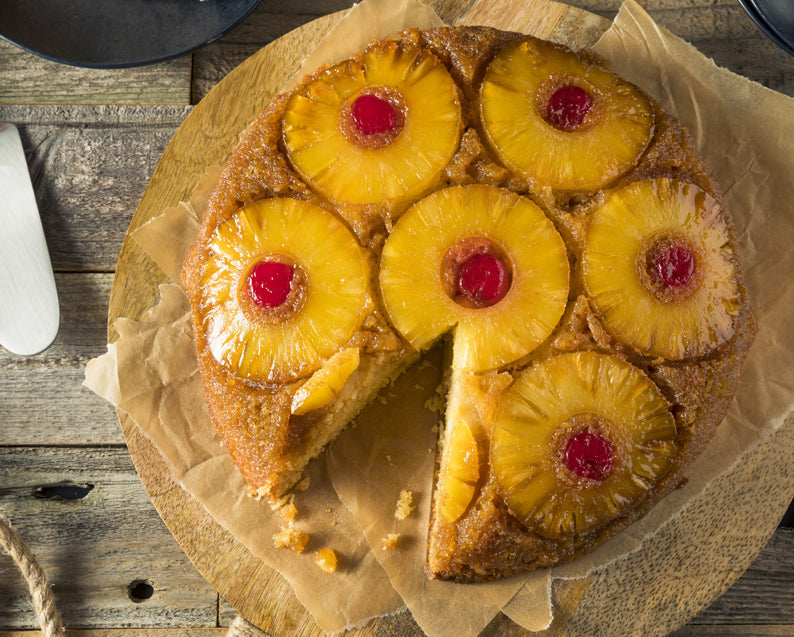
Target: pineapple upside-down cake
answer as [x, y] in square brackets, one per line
[550, 218]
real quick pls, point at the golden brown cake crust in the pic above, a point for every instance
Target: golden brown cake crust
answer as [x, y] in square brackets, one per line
[269, 445]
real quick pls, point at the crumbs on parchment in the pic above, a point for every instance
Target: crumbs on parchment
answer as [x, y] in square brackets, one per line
[291, 537]
[405, 505]
[327, 560]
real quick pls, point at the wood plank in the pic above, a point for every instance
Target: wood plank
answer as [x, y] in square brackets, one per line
[727, 22]
[764, 594]
[736, 630]
[728, 36]
[127, 632]
[756, 58]
[48, 82]
[64, 412]
[95, 547]
[268, 22]
[90, 166]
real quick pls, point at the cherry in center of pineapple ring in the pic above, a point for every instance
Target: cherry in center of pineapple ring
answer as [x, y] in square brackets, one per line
[373, 115]
[673, 266]
[270, 283]
[568, 106]
[483, 279]
[589, 455]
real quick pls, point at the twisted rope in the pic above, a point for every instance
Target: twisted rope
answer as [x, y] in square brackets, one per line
[43, 600]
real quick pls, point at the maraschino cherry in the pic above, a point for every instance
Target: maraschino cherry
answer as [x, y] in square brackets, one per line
[372, 115]
[483, 279]
[568, 106]
[673, 266]
[589, 455]
[270, 283]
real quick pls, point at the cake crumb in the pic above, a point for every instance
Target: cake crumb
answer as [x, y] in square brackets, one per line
[303, 484]
[286, 507]
[289, 511]
[390, 541]
[282, 501]
[257, 494]
[404, 505]
[326, 559]
[435, 403]
[291, 537]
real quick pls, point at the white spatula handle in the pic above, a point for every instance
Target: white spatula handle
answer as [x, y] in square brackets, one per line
[29, 315]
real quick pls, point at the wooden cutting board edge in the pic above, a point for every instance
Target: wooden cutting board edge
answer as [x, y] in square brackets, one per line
[258, 592]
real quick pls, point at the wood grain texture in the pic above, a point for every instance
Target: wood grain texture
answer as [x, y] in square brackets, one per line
[90, 166]
[48, 82]
[64, 412]
[95, 547]
[88, 188]
[764, 594]
[127, 632]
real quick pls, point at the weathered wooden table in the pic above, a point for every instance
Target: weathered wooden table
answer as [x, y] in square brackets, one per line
[93, 139]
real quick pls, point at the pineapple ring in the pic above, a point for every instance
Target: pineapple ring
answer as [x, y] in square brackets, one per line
[615, 133]
[616, 242]
[413, 288]
[332, 162]
[536, 409]
[298, 342]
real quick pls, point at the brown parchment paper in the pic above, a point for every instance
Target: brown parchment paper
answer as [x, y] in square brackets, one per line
[743, 131]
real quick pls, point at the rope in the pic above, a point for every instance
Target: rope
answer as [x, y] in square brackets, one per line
[43, 600]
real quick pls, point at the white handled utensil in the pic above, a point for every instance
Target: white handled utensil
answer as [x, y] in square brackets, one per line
[29, 315]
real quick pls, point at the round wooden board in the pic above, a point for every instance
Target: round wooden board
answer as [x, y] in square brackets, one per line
[712, 542]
